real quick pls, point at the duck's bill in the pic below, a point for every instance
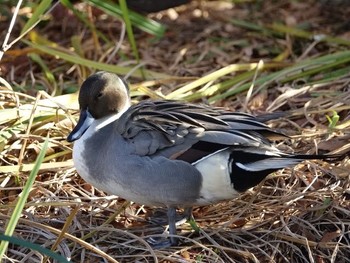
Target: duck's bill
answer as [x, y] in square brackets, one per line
[85, 120]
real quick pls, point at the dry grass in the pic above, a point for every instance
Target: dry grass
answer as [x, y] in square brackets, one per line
[296, 215]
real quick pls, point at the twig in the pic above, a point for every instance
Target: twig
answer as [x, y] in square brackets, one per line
[5, 46]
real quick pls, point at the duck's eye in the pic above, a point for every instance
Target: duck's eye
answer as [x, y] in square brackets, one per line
[99, 95]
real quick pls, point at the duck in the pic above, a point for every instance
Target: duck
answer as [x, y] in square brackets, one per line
[171, 154]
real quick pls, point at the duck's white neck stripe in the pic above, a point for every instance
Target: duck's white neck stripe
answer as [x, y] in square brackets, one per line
[111, 118]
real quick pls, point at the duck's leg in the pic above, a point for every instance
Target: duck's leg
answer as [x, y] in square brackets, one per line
[159, 243]
[188, 212]
[172, 222]
[172, 225]
[160, 216]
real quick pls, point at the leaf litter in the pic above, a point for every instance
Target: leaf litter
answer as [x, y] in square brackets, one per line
[297, 215]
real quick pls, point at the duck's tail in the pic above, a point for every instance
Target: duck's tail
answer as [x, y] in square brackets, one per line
[249, 166]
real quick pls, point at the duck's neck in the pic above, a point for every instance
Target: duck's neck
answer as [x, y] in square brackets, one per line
[102, 122]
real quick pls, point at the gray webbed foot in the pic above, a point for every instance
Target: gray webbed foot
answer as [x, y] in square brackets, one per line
[172, 217]
[160, 216]
[162, 242]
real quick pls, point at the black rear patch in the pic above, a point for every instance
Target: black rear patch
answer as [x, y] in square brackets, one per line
[200, 150]
[243, 179]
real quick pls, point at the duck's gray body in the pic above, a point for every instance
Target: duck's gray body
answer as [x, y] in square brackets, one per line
[167, 153]
[154, 181]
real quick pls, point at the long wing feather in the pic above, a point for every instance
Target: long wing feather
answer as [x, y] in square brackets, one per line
[170, 129]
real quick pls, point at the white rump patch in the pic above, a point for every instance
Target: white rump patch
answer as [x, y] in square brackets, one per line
[216, 182]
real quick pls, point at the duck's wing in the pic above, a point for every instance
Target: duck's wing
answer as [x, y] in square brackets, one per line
[187, 131]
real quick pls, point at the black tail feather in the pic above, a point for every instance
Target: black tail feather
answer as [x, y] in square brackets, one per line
[326, 157]
[248, 168]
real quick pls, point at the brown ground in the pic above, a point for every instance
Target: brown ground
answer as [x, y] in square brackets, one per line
[297, 215]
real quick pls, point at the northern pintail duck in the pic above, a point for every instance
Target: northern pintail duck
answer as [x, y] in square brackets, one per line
[169, 153]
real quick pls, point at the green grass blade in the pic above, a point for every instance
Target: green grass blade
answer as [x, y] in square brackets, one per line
[280, 30]
[75, 59]
[48, 73]
[125, 13]
[312, 66]
[42, 250]
[22, 199]
[190, 92]
[82, 17]
[222, 86]
[318, 65]
[39, 11]
[126, 17]
[333, 121]
[210, 77]
[145, 24]
[251, 26]
[308, 35]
